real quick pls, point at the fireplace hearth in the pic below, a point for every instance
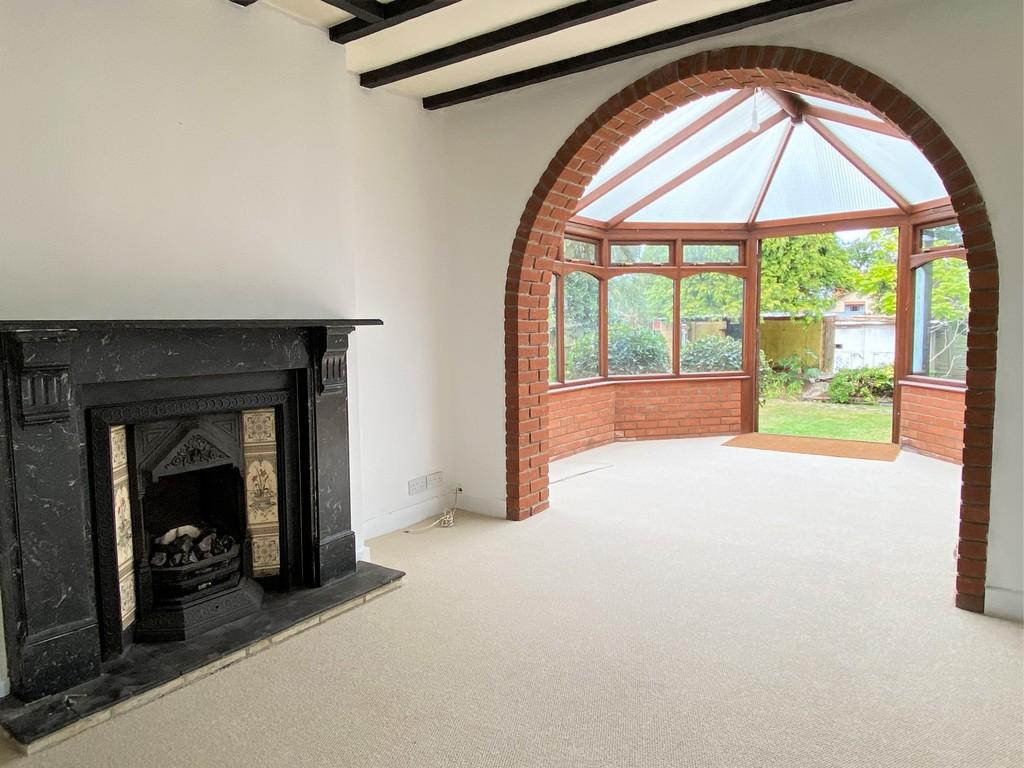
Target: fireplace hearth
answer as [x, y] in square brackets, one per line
[163, 479]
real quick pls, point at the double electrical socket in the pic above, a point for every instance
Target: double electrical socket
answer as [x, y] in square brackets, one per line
[425, 483]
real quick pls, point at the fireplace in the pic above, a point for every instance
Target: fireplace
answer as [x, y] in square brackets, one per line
[207, 519]
[162, 479]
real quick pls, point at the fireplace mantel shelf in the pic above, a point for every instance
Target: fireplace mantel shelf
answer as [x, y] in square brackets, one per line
[71, 325]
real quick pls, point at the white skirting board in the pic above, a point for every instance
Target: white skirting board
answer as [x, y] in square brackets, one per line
[483, 505]
[1004, 603]
[406, 517]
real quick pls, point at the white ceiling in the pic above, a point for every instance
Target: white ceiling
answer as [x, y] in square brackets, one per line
[469, 18]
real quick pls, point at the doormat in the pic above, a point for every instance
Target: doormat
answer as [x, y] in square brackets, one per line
[819, 446]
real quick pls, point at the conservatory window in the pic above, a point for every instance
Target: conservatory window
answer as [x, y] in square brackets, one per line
[580, 250]
[941, 293]
[582, 326]
[641, 253]
[942, 236]
[711, 253]
[639, 325]
[710, 323]
[553, 331]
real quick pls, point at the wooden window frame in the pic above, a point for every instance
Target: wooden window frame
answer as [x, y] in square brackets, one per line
[905, 277]
[919, 236]
[744, 370]
[739, 247]
[747, 269]
[596, 242]
[612, 242]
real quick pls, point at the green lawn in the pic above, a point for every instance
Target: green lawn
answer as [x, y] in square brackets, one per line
[811, 419]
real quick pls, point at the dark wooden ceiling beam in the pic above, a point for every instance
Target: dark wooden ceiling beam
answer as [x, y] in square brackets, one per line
[390, 14]
[712, 26]
[495, 40]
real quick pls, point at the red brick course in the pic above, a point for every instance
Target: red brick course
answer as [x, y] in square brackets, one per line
[932, 422]
[585, 417]
[528, 438]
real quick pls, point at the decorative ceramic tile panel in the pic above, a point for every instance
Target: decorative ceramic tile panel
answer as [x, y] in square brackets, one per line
[123, 523]
[259, 448]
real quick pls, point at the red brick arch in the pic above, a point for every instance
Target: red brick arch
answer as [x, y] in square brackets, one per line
[635, 107]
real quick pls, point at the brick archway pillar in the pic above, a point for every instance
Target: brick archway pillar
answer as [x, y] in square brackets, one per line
[623, 116]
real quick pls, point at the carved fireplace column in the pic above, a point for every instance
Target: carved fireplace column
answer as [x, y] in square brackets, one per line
[50, 614]
[335, 541]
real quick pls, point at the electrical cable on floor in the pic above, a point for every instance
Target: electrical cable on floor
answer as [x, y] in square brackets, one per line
[445, 520]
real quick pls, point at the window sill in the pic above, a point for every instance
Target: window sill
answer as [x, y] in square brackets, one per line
[573, 386]
[927, 382]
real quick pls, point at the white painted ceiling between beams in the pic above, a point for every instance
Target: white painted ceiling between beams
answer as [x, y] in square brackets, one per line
[469, 18]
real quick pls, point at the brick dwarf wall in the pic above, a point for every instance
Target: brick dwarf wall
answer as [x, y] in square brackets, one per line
[684, 408]
[585, 417]
[932, 420]
[580, 418]
[599, 136]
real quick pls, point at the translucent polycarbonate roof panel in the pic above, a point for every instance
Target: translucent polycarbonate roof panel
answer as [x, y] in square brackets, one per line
[814, 179]
[838, 106]
[897, 161]
[656, 133]
[723, 193]
[729, 126]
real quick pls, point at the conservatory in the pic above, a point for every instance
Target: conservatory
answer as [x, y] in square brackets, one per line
[663, 286]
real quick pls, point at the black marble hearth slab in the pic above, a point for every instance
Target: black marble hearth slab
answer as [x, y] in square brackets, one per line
[149, 668]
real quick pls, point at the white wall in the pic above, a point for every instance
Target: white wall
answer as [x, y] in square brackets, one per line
[960, 60]
[192, 158]
[397, 236]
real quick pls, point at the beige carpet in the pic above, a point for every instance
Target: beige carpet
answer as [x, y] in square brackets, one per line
[818, 446]
[690, 606]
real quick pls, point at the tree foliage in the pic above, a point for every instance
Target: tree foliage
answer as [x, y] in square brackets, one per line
[581, 331]
[803, 275]
[711, 295]
[874, 256]
[950, 289]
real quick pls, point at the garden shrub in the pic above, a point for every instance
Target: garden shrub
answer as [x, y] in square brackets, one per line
[634, 350]
[581, 356]
[785, 378]
[868, 384]
[711, 353]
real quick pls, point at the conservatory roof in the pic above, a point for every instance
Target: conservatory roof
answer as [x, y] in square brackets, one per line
[760, 155]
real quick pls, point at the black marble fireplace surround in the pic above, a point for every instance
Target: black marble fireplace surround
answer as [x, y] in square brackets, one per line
[65, 384]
